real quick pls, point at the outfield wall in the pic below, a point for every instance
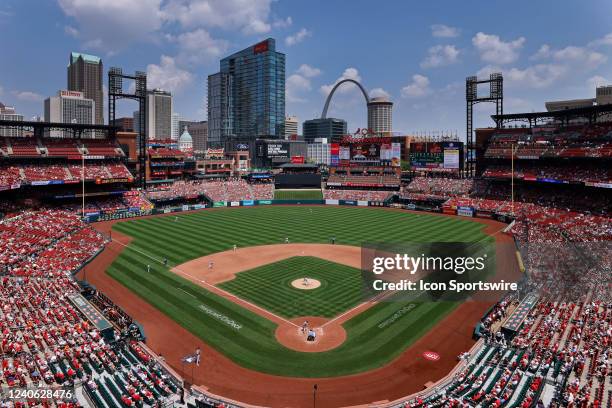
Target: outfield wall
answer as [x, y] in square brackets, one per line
[448, 210]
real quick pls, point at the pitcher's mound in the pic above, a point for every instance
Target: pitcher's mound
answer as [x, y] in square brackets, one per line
[306, 283]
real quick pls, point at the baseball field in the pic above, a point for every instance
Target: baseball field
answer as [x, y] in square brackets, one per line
[151, 266]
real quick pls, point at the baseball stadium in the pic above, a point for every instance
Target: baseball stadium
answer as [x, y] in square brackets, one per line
[143, 272]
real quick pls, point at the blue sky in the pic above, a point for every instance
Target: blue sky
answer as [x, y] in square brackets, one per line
[418, 53]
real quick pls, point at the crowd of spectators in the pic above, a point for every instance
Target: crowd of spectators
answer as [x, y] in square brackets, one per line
[423, 188]
[11, 174]
[46, 243]
[44, 339]
[233, 189]
[569, 173]
[111, 203]
[356, 195]
[593, 141]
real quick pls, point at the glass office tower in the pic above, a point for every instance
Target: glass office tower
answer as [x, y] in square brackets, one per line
[247, 96]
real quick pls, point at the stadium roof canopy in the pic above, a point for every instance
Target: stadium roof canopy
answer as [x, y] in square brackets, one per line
[590, 113]
[38, 127]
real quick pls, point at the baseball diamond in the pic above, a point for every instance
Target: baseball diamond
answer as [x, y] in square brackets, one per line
[254, 345]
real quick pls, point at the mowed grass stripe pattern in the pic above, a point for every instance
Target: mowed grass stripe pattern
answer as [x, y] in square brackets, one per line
[369, 345]
[298, 195]
[269, 286]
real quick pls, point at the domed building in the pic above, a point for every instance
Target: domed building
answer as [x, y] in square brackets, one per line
[185, 142]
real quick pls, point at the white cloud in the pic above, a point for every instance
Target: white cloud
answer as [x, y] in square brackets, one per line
[294, 86]
[308, 71]
[597, 80]
[197, 47]
[444, 31]
[543, 52]
[534, 76]
[585, 57]
[299, 82]
[605, 40]
[250, 16]
[349, 73]
[28, 96]
[440, 55]
[110, 24]
[579, 58]
[378, 92]
[167, 75]
[283, 23]
[257, 27]
[297, 37]
[493, 49]
[417, 88]
[71, 31]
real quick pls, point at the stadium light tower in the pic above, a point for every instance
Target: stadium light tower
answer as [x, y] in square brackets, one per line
[496, 95]
[115, 92]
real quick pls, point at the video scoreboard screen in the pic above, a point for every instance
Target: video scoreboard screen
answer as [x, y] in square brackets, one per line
[446, 156]
[373, 152]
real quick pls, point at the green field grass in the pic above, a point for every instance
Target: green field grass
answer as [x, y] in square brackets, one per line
[298, 195]
[269, 286]
[251, 343]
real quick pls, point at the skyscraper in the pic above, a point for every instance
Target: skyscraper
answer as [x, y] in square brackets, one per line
[331, 129]
[85, 74]
[380, 115]
[176, 130]
[8, 113]
[69, 107]
[291, 126]
[159, 114]
[246, 99]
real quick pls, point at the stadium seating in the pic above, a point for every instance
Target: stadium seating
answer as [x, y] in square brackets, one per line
[25, 146]
[101, 147]
[226, 190]
[44, 339]
[570, 173]
[363, 180]
[61, 148]
[423, 188]
[356, 195]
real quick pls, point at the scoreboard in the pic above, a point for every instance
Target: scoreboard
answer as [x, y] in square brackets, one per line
[441, 156]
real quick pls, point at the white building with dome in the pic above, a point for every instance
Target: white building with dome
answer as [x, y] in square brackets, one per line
[185, 142]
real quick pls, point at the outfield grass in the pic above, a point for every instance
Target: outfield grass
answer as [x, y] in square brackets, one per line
[370, 342]
[298, 195]
[269, 286]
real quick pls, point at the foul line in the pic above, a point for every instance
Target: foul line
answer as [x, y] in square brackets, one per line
[214, 288]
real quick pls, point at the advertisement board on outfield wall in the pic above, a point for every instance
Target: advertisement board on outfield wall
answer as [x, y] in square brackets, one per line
[332, 202]
[219, 204]
[247, 203]
[362, 203]
[465, 211]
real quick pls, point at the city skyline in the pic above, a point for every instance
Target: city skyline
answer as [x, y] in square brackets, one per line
[180, 43]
